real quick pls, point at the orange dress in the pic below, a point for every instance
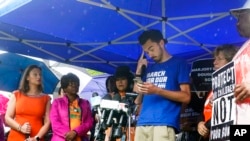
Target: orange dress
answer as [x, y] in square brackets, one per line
[28, 109]
[207, 112]
[75, 116]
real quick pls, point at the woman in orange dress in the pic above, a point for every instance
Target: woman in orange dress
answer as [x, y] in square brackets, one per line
[28, 108]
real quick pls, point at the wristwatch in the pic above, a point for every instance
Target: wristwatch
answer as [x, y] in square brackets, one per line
[37, 138]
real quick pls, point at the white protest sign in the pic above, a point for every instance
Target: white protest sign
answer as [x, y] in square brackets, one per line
[224, 107]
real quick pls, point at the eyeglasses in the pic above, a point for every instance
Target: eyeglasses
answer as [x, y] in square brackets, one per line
[219, 59]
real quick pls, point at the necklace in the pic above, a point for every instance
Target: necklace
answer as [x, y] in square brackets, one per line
[74, 106]
[34, 95]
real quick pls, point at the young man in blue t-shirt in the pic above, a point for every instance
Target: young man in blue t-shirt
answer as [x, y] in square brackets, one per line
[165, 88]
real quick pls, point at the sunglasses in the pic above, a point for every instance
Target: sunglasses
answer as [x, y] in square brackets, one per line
[241, 13]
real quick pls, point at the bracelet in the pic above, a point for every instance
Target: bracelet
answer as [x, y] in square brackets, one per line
[19, 127]
[137, 75]
[37, 138]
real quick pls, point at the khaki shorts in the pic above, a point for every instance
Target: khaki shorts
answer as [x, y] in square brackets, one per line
[154, 133]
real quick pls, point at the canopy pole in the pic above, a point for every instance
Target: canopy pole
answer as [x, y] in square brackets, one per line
[117, 9]
[118, 39]
[198, 57]
[198, 26]
[42, 50]
[151, 16]
[163, 24]
[190, 38]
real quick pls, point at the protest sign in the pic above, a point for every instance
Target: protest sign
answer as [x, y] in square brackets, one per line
[225, 110]
[224, 106]
[201, 84]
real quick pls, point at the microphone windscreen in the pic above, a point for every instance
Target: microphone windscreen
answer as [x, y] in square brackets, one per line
[107, 97]
[95, 94]
[95, 101]
[123, 100]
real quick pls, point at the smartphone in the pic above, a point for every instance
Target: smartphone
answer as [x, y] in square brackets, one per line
[138, 80]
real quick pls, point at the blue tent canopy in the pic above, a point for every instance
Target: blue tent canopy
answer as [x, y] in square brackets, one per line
[101, 34]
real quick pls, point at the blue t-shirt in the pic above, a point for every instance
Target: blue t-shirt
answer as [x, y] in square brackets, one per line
[157, 110]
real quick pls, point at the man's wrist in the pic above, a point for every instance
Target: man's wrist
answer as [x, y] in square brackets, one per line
[137, 75]
[37, 138]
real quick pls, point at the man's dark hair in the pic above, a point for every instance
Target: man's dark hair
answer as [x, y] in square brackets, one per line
[152, 34]
[69, 78]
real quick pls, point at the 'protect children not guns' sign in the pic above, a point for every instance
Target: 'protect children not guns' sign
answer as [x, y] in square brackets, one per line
[224, 107]
[231, 120]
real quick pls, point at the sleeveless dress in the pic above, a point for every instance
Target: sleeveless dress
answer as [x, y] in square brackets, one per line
[28, 109]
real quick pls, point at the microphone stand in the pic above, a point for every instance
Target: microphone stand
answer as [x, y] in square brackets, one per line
[132, 108]
[129, 126]
[100, 125]
[98, 131]
[129, 116]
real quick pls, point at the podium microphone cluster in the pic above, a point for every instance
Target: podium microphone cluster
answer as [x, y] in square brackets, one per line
[116, 97]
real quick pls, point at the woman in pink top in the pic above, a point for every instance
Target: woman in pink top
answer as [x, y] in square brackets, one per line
[70, 115]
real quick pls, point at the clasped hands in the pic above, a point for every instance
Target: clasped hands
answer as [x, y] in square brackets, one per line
[70, 136]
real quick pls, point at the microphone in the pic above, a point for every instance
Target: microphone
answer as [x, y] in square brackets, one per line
[102, 123]
[143, 70]
[131, 94]
[121, 120]
[135, 109]
[103, 115]
[108, 123]
[107, 97]
[27, 136]
[124, 100]
[95, 101]
[94, 94]
[131, 97]
[117, 97]
[118, 130]
[143, 67]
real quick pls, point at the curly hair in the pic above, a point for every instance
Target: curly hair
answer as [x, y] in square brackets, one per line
[68, 78]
